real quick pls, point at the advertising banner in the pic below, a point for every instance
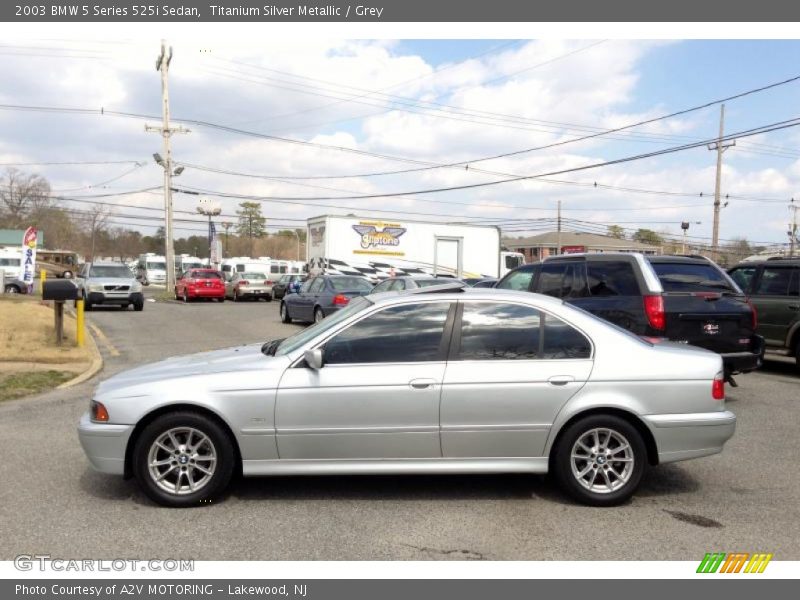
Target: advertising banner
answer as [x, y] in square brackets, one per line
[29, 256]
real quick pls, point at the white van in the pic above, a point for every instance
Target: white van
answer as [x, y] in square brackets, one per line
[151, 269]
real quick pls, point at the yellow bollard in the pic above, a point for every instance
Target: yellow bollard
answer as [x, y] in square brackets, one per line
[79, 335]
[42, 279]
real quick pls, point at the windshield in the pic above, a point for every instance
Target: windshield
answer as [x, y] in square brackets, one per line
[110, 271]
[191, 265]
[341, 284]
[300, 338]
[255, 276]
[155, 266]
[205, 275]
[690, 277]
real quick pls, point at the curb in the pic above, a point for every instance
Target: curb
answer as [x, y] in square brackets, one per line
[94, 367]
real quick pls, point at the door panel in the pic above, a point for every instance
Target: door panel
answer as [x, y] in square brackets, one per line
[360, 411]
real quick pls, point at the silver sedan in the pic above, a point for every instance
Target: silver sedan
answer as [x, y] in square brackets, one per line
[436, 380]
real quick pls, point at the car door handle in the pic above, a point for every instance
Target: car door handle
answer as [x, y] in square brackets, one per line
[560, 379]
[422, 384]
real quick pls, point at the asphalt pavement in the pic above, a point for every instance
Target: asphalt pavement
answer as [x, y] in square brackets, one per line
[51, 502]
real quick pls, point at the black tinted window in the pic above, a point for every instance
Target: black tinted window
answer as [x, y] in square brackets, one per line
[407, 333]
[612, 278]
[491, 331]
[774, 281]
[743, 276]
[689, 277]
[561, 280]
[517, 280]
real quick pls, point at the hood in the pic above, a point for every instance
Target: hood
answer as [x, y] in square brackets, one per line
[111, 280]
[241, 358]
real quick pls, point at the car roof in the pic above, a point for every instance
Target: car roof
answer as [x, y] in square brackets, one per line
[678, 258]
[784, 262]
[108, 263]
[449, 292]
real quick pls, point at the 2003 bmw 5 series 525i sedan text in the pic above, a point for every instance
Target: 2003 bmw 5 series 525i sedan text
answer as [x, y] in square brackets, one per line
[436, 380]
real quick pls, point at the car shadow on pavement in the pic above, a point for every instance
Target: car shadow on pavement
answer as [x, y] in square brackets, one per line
[786, 367]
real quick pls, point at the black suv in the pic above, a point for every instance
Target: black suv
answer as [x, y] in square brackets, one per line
[686, 299]
[774, 288]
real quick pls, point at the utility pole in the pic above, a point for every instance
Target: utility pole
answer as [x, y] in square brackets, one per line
[227, 225]
[558, 234]
[793, 228]
[720, 147]
[162, 65]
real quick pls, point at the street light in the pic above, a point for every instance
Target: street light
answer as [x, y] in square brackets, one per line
[211, 208]
[685, 227]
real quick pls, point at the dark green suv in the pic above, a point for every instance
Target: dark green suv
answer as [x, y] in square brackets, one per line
[774, 288]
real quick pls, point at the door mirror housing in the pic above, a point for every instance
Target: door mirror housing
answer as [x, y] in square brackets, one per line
[313, 358]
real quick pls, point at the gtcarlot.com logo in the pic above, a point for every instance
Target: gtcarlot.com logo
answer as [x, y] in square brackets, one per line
[734, 562]
[45, 562]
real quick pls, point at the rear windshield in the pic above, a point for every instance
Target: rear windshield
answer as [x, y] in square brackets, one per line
[255, 276]
[690, 277]
[350, 283]
[205, 275]
[110, 271]
[427, 282]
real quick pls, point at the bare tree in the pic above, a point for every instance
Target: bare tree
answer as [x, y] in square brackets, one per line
[22, 194]
[96, 220]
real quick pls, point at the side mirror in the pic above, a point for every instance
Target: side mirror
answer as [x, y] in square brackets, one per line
[313, 358]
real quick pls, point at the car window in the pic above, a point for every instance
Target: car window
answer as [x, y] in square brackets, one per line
[743, 276]
[794, 284]
[206, 275]
[383, 286]
[559, 280]
[504, 331]
[254, 275]
[350, 284]
[485, 284]
[317, 285]
[517, 280]
[397, 285]
[306, 287]
[689, 277]
[240, 268]
[611, 278]
[774, 281]
[404, 333]
[120, 271]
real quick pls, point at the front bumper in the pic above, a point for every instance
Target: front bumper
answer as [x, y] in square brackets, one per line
[685, 436]
[104, 444]
[115, 298]
[744, 362]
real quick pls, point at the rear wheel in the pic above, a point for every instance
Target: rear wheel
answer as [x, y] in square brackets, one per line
[268, 297]
[222, 299]
[183, 459]
[797, 352]
[12, 289]
[599, 460]
[318, 315]
[185, 296]
[285, 318]
[235, 295]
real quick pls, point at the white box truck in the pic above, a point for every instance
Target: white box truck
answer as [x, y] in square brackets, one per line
[378, 248]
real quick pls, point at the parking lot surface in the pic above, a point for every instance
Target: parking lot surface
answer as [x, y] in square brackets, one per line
[51, 502]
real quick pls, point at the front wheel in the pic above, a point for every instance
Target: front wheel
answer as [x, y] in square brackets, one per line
[138, 306]
[285, 318]
[183, 459]
[600, 460]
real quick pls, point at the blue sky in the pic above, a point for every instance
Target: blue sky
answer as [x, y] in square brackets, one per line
[518, 89]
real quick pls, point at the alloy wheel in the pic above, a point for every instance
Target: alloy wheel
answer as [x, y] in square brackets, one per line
[602, 460]
[182, 460]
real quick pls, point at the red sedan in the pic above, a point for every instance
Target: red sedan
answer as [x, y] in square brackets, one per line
[200, 283]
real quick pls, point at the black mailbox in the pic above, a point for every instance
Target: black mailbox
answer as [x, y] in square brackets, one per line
[59, 290]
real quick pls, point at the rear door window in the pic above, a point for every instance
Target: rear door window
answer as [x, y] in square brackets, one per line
[519, 280]
[743, 276]
[611, 278]
[562, 280]
[317, 285]
[775, 281]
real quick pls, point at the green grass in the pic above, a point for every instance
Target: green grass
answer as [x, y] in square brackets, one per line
[17, 385]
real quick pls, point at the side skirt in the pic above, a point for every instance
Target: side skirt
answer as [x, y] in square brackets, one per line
[398, 466]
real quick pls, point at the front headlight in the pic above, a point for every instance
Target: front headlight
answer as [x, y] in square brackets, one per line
[95, 287]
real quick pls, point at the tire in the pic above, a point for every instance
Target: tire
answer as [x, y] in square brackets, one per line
[177, 296]
[138, 306]
[187, 429]
[624, 477]
[185, 296]
[12, 289]
[235, 296]
[87, 306]
[268, 297]
[221, 299]
[797, 352]
[318, 314]
[285, 318]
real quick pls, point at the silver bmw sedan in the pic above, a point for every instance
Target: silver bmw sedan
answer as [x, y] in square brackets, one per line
[436, 380]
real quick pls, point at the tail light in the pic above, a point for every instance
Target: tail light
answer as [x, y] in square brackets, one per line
[340, 300]
[718, 387]
[654, 309]
[268, 282]
[244, 282]
[754, 313]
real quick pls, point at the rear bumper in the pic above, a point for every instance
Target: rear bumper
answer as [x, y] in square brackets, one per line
[685, 436]
[255, 293]
[104, 444]
[204, 292]
[744, 362]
